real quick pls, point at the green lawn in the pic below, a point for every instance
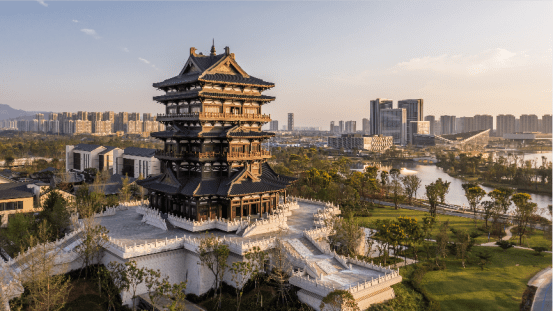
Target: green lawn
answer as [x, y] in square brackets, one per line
[533, 239]
[459, 223]
[498, 287]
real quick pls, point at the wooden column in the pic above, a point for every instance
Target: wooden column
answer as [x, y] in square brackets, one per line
[241, 207]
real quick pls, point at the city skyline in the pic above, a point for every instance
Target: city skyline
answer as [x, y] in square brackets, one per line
[456, 56]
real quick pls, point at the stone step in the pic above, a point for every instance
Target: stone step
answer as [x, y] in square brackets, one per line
[310, 246]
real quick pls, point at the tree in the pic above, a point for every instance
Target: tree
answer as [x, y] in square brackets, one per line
[176, 295]
[240, 271]
[502, 198]
[396, 187]
[46, 291]
[339, 300]
[474, 195]
[435, 193]
[414, 233]
[384, 180]
[490, 209]
[442, 240]
[93, 241]
[118, 274]
[55, 211]
[463, 241]
[156, 286]
[125, 191]
[281, 271]
[347, 234]
[484, 259]
[257, 258]
[505, 245]
[524, 210]
[411, 184]
[213, 255]
[135, 276]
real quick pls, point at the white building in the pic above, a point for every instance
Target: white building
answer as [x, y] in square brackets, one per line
[138, 161]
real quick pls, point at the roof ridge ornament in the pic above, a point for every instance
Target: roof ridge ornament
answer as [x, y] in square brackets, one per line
[213, 53]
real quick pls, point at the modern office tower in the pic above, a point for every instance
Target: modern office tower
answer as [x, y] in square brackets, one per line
[351, 126]
[483, 122]
[332, 126]
[418, 127]
[82, 115]
[274, 126]
[290, 121]
[134, 116]
[546, 124]
[376, 106]
[146, 117]
[121, 120]
[448, 124]
[393, 122]
[341, 127]
[366, 126]
[465, 124]
[432, 122]
[505, 124]
[414, 112]
[528, 123]
[52, 116]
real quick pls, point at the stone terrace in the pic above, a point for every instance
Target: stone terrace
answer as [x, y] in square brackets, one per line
[126, 227]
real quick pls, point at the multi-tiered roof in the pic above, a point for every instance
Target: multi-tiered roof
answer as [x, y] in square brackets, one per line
[213, 162]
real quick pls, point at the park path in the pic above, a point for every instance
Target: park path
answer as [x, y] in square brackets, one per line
[542, 298]
[507, 237]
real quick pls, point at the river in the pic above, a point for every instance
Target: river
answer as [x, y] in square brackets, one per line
[456, 195]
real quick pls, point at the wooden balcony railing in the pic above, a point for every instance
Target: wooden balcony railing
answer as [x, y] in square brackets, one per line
[230, 156]
[215, 116]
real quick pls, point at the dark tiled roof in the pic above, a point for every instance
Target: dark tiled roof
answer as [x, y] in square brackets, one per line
[251, 134]
[238, 79]
[178, 95]
[87, 147]
[118, 178]
[140, 152]
[108, 149]
[190, 187]
[178, 80]
[15, 191]
[207, 187]
[206, 61]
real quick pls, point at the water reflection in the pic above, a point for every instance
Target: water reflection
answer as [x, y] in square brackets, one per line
[456, 195]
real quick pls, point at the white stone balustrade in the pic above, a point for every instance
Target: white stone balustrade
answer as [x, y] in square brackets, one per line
[203, 225]
[153, 217]
[158, 246]
[271, 224]
[313, 285]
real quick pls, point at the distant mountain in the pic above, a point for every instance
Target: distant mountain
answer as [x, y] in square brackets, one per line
[7, 112]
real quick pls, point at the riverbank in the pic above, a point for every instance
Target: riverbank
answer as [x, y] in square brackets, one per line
[542, 189]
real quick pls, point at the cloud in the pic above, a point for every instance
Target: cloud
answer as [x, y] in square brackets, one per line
[42, 3]
[75, 21]
[488, 60]
[125, 50]
[91, 32]
[144, 60]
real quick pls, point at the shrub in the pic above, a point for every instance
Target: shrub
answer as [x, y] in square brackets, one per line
[505, 245]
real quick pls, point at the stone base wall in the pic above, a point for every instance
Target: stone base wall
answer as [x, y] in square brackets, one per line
[310, 299]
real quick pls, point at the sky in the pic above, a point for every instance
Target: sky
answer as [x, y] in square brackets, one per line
[327, 59]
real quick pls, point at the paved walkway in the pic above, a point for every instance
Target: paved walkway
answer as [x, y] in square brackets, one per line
[507, 237]
[542, 299]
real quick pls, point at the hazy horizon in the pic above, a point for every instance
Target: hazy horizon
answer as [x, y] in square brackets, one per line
[327, 59]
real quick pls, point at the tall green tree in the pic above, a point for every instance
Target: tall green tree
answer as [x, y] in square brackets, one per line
[213, 255]
[474, 195]
[524, 210]
[411, 184]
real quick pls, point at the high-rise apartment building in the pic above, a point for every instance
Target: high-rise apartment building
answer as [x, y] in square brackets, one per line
[466, 124]
[82, 115]
[121, 121]
[448, 124]
[528, 123]
[274, 126]
[94, 116]
[432, 122]
[290, 121]
[332, 126]
[146, 117]
[546, 124]
[414, 112]
[393, 122]
[351, 127]
[341, 126]
[375, 107]
[483, 122]
[83, 127]
[366, 126]
[134, 116]
[505, 124]
[52, 116]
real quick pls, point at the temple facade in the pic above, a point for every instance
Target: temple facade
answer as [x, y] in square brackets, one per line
[213, 164]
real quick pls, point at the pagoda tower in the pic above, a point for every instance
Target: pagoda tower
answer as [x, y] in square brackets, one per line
[213, 164]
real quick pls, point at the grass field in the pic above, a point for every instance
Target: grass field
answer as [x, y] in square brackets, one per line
[534, 239]
[498, 287]
[459, 223]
